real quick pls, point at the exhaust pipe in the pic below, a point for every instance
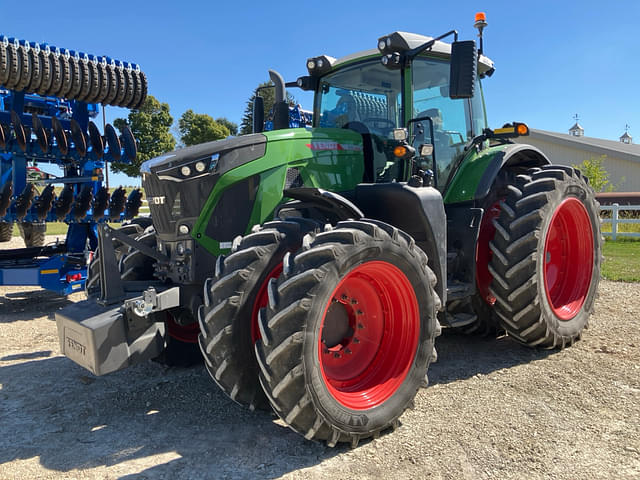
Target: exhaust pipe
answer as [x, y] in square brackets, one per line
[280, 108]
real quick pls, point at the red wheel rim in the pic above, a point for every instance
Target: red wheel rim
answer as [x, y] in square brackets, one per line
[262, 299]
[484, 253]
[184, 333]
[369, 335]
[568, 258]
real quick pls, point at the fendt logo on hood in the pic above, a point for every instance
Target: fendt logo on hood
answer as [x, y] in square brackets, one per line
[156, 200]
[328, 145]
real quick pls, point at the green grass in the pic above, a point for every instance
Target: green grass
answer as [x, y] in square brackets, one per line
[621, 260]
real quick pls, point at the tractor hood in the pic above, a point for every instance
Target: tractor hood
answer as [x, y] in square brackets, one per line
[217, 157]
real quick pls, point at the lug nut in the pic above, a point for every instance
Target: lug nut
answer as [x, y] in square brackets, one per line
[348, 351]
[344, 297]
[356, 340]
[336, 355]
[360, 326]
[354, 301]
[359, 312]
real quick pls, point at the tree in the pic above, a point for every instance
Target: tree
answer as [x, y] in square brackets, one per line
[231, 126]
[198, 128]
[150, 127]
[598, 176]
[269, 96]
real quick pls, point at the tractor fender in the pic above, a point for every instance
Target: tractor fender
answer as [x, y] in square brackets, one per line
[332, 205]
[514, 154]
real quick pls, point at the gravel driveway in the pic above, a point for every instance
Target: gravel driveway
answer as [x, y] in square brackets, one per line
[494, 410]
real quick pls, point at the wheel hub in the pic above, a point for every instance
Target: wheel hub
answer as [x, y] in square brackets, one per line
[568, 258]
[369, 335]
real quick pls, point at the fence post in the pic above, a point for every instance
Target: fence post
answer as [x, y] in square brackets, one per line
[614, 221]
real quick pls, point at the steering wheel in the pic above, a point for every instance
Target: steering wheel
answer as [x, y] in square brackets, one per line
[373, 121]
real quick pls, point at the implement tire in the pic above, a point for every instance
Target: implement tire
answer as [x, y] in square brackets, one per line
[6, 231]
[349, 332]
[546, 257]
[32, 233]
[233, 298]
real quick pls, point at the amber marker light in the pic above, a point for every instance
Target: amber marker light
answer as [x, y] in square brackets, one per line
[481, 17]
[522, 129]
[400, 151]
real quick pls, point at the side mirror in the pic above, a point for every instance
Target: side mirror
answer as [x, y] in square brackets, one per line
[258, 114]
[464, 68]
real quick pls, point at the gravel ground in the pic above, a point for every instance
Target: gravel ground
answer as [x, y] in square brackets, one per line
[494, 410]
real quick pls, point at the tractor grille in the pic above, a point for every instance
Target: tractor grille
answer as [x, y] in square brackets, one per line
[294, 179]
[172, 201]
[232, 212]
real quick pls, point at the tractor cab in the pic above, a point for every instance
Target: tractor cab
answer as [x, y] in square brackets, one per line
[377, 92]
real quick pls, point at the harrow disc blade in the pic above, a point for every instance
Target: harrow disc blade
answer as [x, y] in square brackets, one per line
[64, 202]
[117, 203]
[3, 136]
[129, 143]
[44, 203]
[79, 140]
[96, 140]
[60, 136]
[5, 197]
[41, 134]
[134, 202]
[18, 129]
[100, 203]
[83, 203]
[25, 200]
[113, 142]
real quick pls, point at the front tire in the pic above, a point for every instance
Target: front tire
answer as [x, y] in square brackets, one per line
[234, 296]
[546, 257]
[349, 332]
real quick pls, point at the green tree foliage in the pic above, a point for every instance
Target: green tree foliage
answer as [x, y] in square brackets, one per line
[198, 128]
[150, 126]
[593, 169]
[269, 96]
[231, 126]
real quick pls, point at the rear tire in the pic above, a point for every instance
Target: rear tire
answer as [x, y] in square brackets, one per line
[329, 368]
[233, 298]
[546, 257]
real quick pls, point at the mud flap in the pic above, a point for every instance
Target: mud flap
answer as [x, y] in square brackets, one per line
[98, 338]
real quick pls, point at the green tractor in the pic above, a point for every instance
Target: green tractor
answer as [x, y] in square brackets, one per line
[314, 267]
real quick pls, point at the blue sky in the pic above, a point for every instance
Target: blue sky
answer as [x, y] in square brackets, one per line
[553, 59]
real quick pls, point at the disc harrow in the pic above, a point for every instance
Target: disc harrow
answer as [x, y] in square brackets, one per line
[49, 97]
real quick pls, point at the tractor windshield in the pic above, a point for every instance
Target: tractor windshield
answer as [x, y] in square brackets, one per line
[365, 97]
[450, 119]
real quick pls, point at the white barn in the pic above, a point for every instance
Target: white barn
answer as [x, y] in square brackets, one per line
[622, 157]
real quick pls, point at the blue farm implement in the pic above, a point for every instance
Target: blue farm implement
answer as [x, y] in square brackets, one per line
[48, 98]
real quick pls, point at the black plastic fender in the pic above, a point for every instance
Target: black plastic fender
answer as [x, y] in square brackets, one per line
[515, 154]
